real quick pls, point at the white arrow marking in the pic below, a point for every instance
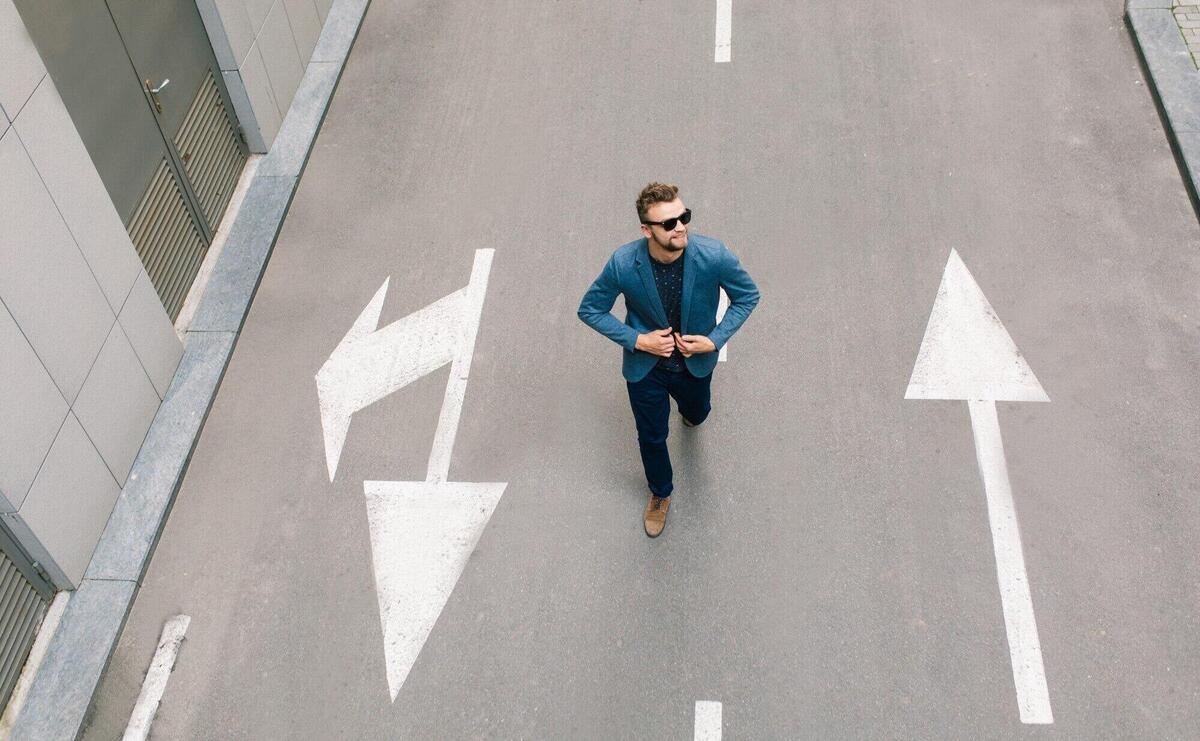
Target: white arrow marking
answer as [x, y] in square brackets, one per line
[1024, 648]
[724, 49]
[708, 721]
[722, 305]
[456, 387]
[967, 354]
[370, 364]
[422, 533]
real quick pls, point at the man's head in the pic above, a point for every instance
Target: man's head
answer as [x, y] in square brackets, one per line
[663, 216]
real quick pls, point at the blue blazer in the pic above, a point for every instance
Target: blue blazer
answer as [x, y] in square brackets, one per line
[707, 265]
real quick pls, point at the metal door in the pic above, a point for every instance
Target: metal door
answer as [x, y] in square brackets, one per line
[25, 594]
[143, 87]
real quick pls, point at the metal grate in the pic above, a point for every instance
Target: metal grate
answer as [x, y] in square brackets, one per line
[167, 240]
[21, 612]
[207, 143]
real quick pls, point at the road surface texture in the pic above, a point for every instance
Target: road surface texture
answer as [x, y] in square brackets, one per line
[827, 569]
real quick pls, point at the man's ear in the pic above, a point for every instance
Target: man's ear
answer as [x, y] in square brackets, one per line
[646, 231]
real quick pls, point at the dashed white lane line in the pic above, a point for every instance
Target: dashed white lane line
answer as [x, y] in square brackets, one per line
[724, 50]
[708, 721]
[156, 678]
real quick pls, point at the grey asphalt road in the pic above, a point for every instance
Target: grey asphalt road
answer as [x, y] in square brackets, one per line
[827, 571]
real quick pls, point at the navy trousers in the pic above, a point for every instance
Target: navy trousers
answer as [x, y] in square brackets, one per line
[651, 402]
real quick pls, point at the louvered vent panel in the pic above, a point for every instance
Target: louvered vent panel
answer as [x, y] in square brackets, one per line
[21, 611]
[207, 143]
[167, 240]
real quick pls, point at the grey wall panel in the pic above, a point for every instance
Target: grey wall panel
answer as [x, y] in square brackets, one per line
[44, 280]
[262, 97]
[69, 502]
[272, 42]
[258, 10]
[31, 409]
[238, 27]
[246, 116]
[63, 162]
[151, 334]
[323, 7]
[117, 404]
[80, 46]
[214, 26]
[278, 47]
[306, 26]
[20, 66]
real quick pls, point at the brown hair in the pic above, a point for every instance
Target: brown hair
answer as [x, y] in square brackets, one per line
[652, 194]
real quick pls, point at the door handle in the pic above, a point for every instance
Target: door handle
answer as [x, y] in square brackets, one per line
[154, 91]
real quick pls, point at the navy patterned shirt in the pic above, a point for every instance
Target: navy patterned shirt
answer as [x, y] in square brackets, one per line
[668, 277]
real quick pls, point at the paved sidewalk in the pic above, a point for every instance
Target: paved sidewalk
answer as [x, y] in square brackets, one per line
[1188, 18]
[1167, 35]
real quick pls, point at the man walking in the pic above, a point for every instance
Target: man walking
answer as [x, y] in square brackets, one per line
[671, 337]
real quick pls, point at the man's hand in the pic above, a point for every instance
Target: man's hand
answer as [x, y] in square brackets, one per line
[658, 342]
[693, 344]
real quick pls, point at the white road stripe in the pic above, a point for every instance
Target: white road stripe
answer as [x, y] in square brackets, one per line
[456, 387]
[724, 49]
[708, 721]
[1025, 650]
[156, 678]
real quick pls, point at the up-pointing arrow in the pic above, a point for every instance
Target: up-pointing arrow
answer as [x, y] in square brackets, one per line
[967, 354]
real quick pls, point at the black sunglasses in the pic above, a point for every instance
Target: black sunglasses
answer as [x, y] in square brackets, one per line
[669, 224]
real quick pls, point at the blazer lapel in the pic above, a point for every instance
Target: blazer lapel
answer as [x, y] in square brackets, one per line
[689, 278]
[647, 273]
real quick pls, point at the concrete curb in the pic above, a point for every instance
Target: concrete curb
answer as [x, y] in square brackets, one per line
[61, 693]
[1174, 81]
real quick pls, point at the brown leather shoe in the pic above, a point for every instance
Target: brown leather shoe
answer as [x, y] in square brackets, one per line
[656, 515]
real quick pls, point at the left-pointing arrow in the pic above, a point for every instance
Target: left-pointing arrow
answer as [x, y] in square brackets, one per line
[368, 364]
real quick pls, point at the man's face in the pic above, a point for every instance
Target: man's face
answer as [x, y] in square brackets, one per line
[674, 240]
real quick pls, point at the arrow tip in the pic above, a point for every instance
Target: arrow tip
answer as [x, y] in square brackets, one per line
[422, 535]
[966, 352]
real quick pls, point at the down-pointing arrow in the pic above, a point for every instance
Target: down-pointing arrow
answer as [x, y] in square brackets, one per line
[967, 354]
